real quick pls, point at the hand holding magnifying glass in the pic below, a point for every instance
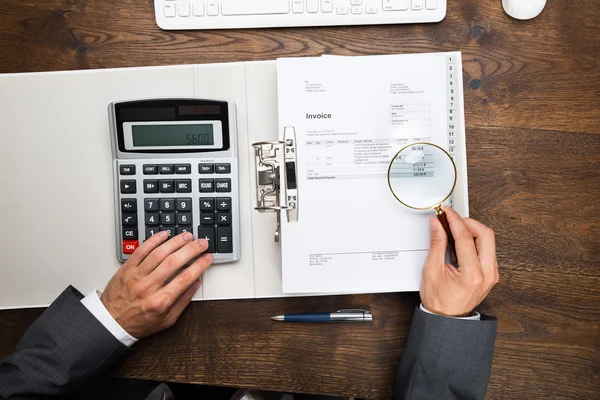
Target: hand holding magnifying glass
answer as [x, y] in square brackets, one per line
[422, 176]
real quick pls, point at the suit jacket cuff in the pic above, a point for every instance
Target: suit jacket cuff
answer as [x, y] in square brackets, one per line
[93, 303]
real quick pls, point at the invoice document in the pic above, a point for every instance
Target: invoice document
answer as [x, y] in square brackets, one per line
[351, 115]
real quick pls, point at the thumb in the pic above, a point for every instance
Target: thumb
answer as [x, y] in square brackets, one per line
[437, 244]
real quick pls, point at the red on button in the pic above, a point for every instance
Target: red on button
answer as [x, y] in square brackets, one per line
[129, 246]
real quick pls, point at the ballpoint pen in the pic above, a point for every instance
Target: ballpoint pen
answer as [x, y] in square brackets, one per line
[338, 316]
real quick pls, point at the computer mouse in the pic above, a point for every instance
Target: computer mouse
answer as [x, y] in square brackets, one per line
[523, 9]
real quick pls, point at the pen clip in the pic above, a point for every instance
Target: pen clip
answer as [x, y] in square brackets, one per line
[353, 310]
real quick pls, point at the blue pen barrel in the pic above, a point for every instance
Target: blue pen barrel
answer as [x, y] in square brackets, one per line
[312, 317]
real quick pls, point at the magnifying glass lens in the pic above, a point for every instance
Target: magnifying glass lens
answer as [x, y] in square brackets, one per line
[422, 176]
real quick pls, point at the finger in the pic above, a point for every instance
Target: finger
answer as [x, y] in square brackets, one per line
[146, 248]
[187, 277]
[485, 242]
[182, 302]
[464, 244]
[159, 254]
[437, 245]
[176, 260]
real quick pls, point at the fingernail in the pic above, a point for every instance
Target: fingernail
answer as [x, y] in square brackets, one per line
[163, 234]
[203, 242]
[187, 236]
[433, 225]
[208, 256]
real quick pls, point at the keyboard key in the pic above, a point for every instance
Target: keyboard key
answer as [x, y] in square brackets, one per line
[182, 229]
[167, 218]
[207, 204]
[183, 169]
[417, 4]
[151, 204]
[167, 186]
[395, 5]
[165, 169]
[184, 218]
[184, 9]
[127, 169]
[224, 239]
[212, 8]
[341, 10]
[167, 204]
[128, 205]
[208, 234]
[129, 246]
[150, 169]
[151, 219]
[150, 186]
[370, 10]
[207, 185]
[431, 4]
[207, 219]
[223, 168]
[130, 233]
[223, 185]
[312, 6]
[327, 6]
[169, 229]
[224, 204]
[183, 185]
[206, 168]
[245, 7]
[356, 10]
[129, 219]
[297, 6]
[169, 10]
[151, 231]
[224, 219]
[183, 204]
[198, 9]
[128, 187]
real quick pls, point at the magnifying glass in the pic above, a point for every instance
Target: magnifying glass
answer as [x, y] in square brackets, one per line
[422, 176]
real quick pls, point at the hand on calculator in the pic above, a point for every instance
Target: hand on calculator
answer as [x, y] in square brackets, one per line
[140, 296]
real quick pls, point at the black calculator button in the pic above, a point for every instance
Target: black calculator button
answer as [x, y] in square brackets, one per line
[151, 204]
[206, 185]
[167, 204]
[224, 239]
[169, 229]
[183, 169]
[184, 218]
[182, 229]
[223, 185]
[150, 169]
[128, 169]
[130, 233]
[165, 169]
[223, 168]
[208, 234]
[206, 168]
[223, 203]
[129, 219]
[150, 186]
[128, 205]
[167, 218]
[207, 219]
[167, 186]
[183, 204]
[207, 204]
[224, 219]
[151, 218]
[183, 185]
[128, 186]
[151, 231]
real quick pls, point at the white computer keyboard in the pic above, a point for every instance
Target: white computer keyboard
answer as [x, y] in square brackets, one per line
[233, 14]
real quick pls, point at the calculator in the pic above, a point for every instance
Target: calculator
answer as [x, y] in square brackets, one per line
[175, 169]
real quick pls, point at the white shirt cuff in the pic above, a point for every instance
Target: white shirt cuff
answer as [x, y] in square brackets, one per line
[475, 317]
[93, 303]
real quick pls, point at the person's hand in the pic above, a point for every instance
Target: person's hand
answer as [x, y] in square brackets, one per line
[141, 296]
[455, 292]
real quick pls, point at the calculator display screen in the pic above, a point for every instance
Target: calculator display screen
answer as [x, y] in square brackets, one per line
[173, 135]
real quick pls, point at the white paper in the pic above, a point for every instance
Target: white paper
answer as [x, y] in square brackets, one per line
[351, 115]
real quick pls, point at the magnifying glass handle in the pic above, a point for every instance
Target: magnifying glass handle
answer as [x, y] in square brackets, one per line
[442, 218]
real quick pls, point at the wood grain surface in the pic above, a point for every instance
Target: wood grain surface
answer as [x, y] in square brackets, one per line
[532, 103]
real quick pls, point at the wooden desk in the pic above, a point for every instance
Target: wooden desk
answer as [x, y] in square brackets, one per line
[532, 102]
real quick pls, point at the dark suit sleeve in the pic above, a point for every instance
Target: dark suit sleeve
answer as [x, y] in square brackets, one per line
[64, 348]
[446, 358]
